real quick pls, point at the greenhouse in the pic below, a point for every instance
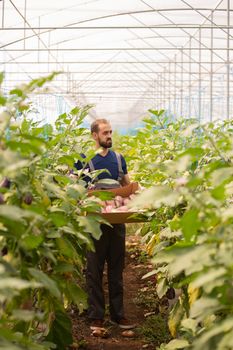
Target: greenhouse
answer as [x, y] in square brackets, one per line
[123, 56]
[116, 175]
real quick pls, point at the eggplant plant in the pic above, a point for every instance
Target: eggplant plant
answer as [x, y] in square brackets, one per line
[188, 171]
[44, 229]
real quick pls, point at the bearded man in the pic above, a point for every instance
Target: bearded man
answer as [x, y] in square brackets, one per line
[110, 247]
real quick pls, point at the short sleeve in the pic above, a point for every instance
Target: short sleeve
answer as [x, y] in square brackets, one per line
[79, 165]
[124, 166]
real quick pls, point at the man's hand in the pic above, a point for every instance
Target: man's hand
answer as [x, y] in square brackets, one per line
[125, 180]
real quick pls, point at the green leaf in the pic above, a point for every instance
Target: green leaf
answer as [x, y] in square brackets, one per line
[162, 287]
[78, 296]
[76, 191]
[220, 175]
[62, 267]
[24, 315]
[208, 276]
[46, 281]
[219, 192]
[175, 318]
[1, 77]
[90, 225]
[60, 332]
[31, 242]
[190, 224]
[188, 259]
[17, 92]
[204, 307]
[189, 324]
[2, 100]
[16, 283]
[155, 197]
[24, 147]
[15, 213]
[68, 160]
[209, 336]
[66, 248]
[75, 111]
[59, 218]
[177, 344]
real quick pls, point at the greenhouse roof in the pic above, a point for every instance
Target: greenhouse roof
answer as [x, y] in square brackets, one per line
[123, 56]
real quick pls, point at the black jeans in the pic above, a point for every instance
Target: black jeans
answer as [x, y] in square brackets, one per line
[110, 248]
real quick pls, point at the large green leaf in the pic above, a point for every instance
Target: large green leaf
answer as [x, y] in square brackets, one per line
[220, 175]
[155, 197]
[209, 338]
[90, 225]
[210, 275]
[190, 224]
[15, 213]
[177, 344]
[60, 332]
[46, 281]
[204, 307]
[78, 296]
[66, 248]
[17, 283]
[31, 241]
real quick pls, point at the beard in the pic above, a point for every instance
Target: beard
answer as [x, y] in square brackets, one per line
[105, 144]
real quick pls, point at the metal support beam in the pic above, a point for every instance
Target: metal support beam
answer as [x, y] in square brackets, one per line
[211, 67]
[228, 61]
[175, 48]
[181, 80]
[190, 77]
[216, 25]
[102, 62]
[3, 13]
[175, 94]
[158, 26]
[200, 82]
[25, 23]
[169, 86]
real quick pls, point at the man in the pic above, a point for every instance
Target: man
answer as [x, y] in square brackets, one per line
[111, 245]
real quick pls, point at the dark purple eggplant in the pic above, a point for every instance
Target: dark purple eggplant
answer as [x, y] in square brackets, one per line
[5, 183]
[27, 198]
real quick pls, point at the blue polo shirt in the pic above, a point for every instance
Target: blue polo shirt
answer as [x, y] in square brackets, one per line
[106, 162]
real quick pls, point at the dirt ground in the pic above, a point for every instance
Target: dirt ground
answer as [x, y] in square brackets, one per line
[134, 311]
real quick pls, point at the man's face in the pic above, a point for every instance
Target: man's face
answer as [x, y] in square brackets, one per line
[103, 137]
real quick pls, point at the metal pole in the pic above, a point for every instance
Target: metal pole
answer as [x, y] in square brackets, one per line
[190, 77]
[211, 67]
[228, 60]
[154, 94]
[25, 22]
[169, 26]
[181, 83]
[199, 77]
[3, 12]
[163, 89]
[175, 85]
[38, 36]
[169, 87]
[48, 50]
[159, 91]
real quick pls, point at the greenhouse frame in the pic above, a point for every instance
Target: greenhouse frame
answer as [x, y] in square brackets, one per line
[116, 175]
[123, 57]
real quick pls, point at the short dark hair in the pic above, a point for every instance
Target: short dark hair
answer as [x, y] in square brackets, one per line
[96, 123]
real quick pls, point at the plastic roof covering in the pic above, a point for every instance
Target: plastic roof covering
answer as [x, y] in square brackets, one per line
[123, 56]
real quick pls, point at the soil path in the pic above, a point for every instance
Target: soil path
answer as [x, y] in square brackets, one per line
[133, 282]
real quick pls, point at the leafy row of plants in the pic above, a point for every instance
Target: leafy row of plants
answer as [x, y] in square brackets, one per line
[44, 232]
[188, 170]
